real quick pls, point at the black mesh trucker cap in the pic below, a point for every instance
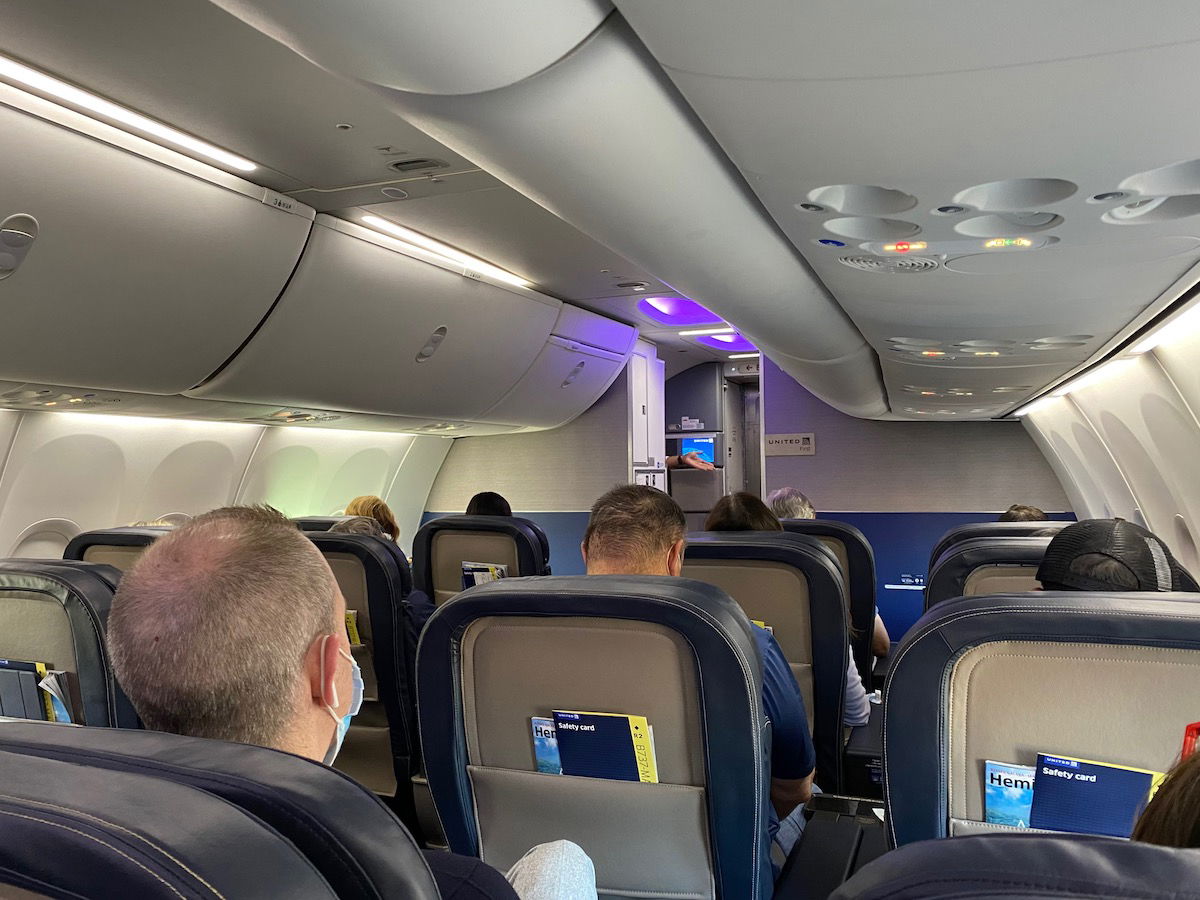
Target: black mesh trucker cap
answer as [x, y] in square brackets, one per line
[1137, 551]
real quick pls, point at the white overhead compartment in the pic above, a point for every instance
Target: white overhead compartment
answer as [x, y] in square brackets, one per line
[581, 359]
[125, 265]
[363, 327]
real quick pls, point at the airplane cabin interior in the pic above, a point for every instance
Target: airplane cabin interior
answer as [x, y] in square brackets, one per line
[879, 319]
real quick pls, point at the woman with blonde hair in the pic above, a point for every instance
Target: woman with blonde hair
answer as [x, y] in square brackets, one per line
[374, 508]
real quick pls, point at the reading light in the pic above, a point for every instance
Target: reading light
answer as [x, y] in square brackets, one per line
[744, 355]
[698, 331]
[11, 70]
[445, 251]
[1173, 327]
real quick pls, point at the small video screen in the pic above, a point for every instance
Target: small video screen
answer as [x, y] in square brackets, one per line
[702, 445]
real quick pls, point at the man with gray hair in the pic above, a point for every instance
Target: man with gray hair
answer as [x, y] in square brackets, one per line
[233, 627]
[789, 503]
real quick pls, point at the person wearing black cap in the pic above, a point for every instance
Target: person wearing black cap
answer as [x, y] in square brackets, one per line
[1110, 555]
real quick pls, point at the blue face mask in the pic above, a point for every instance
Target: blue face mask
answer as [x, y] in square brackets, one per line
[356, 699]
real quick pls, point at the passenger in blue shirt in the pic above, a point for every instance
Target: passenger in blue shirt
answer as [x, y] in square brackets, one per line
[639, 530]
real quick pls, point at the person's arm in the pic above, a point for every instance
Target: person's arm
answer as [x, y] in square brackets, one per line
[793, 759]
[881, 644]
[856, 708]
[689, 461]
[788, 793]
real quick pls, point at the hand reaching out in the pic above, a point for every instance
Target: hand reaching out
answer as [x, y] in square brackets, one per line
[691, 460]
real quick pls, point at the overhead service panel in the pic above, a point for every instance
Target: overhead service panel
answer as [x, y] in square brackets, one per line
[365, 327]
[682, 211]
[124, 265]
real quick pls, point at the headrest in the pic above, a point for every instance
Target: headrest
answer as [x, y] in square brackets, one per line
[84, 591]
[378, 555]
[319, 523]
[913, 747]
[1028, 866]
[74, 830]
[827, 528]
[770, 546]
[533, 549]
[731, 687]
[951, 569]
[990, 529]
[133, 536]
[356, 842]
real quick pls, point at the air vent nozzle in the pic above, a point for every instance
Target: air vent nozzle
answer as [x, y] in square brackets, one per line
[899, 265]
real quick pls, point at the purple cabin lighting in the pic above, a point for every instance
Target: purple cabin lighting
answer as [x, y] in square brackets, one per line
[676, 311]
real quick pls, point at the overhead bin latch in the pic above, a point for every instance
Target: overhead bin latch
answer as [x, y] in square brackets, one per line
[17, 234]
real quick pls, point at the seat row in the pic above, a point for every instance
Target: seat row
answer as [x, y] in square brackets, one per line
[996, 677]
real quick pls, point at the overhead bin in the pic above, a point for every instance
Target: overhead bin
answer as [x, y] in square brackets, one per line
[133, 268]
[658, 191]
[363, 327]
[580, 360]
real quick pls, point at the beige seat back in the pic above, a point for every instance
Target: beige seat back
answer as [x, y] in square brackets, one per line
[380, 749]
[54, 612]
[442, 545]
[366, 754]
[775, 594]
[986, 565]
[646, 840]
[790, 583]
[452, 548]
[1106, 677]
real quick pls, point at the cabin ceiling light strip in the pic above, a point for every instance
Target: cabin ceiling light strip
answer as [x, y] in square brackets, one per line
[1033, 407]
[445, 251]
[1177, 326]
[13, 71]
[696, 332]
[744, 355]
[1092, 377]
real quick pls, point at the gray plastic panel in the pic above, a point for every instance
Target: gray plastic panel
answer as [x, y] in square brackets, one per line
[348, 331]
[142, 277]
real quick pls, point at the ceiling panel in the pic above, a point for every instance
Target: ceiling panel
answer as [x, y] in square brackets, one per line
[857, 128]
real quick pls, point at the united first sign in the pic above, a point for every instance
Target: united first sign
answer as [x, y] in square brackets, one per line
[792, 444]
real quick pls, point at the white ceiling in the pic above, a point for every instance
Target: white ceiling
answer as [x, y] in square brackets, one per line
[930, 102]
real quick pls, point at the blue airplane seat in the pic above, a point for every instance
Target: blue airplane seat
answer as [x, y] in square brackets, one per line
[677, 651]
[1028, 867]
[986, 565]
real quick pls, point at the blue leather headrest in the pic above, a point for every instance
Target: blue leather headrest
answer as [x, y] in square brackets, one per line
[73, 830]
[989, 529]
[132, 536]
[356, 842]
[730, 699]
[949, 574]
[319, 523]
[990, 867]
[914, 751]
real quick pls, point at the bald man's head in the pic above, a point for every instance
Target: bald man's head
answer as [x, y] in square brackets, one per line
[209, 629]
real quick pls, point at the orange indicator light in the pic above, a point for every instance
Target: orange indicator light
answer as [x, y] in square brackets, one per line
[933, 352]
[904, 246]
